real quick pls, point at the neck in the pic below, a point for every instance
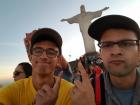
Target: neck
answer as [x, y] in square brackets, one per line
[39, 81]
[125, 82]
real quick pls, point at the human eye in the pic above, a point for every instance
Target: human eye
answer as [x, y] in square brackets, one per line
[37, 50]
[106, 44]
[52, 53]
[127, 43]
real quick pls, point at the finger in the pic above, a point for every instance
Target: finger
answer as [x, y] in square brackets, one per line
[75, 94]
[57, 82]
[77, 83]
[81, 68]
[47, 89]
[41, 92]
[74, 91]
[83, 72]
[60, 75]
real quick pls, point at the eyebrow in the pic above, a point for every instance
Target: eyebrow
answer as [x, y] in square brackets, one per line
[118, 40]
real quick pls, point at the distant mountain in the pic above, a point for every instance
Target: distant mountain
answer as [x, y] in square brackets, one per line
[5, 82]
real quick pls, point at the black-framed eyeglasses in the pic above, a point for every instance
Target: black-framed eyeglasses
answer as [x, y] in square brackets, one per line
[50, 52]
[17, 73]
[122, 44]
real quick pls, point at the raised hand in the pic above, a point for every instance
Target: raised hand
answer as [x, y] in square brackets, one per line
[62, 63]
[47, 95]
[83, 93]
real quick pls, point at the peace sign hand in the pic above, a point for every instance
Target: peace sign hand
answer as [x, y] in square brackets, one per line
[47, 95]
[83, 93]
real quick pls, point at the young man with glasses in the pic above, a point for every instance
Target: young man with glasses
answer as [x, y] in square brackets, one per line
[43, 88]
[118, 38]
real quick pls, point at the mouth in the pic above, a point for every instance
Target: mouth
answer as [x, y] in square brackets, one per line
[43, 62]
[116, 62]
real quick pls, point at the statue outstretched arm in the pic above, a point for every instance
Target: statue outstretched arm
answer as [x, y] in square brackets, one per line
[104, 8]
[62, 20]
[71, 20]
[96, 14]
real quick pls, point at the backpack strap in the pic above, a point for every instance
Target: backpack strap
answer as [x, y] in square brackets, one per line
[99, 87]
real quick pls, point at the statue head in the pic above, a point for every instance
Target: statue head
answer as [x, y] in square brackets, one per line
[82, 8]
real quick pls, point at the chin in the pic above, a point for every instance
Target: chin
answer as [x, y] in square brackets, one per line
[44, 72]
[117, 74]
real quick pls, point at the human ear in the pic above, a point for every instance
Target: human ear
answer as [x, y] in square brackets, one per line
[30, 57]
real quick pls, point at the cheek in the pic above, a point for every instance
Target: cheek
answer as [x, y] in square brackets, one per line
[103, 56]
[139, 58]
[136, 58]
[54, 63]
[33, 60]
[30, 57]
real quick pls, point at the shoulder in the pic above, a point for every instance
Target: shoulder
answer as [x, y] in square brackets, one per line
[15, 86]
[15, 92]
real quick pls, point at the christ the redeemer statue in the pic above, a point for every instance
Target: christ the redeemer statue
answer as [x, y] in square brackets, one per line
[84, 20]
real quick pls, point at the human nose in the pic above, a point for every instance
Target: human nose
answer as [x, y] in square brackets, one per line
[116, 50]
[44, 54]
[14, 77]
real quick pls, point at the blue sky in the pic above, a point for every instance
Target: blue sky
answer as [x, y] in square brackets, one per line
[20, 16]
